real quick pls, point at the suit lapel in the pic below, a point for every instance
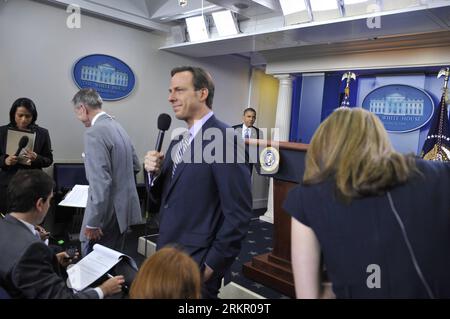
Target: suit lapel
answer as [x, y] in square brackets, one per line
[180, 168]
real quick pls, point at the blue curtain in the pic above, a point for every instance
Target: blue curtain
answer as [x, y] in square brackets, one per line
[294, 135]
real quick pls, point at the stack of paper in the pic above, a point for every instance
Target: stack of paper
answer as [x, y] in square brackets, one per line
[94, 265]
[77, 197]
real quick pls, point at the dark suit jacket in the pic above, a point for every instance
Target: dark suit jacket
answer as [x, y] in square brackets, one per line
[206, 207]
[252, 154]
[42, 147]
[29, 268]
[255, 132]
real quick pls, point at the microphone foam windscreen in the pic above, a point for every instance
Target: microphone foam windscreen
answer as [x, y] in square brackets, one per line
[23, 141]
[164, 121]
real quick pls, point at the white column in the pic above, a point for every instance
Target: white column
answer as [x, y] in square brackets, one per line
[282, 127]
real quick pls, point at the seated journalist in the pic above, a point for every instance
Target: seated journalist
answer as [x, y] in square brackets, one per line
[28, 267]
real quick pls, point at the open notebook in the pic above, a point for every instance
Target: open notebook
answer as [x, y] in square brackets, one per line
[96, 264]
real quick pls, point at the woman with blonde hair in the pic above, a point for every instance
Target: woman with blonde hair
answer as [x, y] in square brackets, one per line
[380, 219]
[170, 273]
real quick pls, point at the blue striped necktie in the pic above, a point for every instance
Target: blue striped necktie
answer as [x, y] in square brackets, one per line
[182, 146]
[247, 133]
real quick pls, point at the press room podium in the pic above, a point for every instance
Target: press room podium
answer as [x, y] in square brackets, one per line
[274, 269]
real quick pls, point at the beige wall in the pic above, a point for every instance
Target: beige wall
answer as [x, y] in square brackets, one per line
[263, 98]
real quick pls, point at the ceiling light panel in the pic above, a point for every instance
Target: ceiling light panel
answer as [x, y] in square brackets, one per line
[197, 28]
[323, 10]
[292, 6]
[295, 11]
[323, 5]
[359, 7]
[225, 23]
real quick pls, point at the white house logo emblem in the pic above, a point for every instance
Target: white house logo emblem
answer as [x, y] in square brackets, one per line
[396, 104]
[401, 108]
[269, 159]
[111, 77]
[104, 73]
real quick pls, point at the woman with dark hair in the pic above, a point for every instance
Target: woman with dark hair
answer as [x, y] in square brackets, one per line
[22, 116]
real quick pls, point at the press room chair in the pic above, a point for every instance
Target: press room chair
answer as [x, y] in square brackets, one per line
[66, 176]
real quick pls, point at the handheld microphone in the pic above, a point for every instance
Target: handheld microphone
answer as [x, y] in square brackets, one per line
[22, 143]
[164, 121]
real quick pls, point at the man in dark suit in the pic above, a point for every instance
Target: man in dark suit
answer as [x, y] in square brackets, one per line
[247, 130]
[204, 201]
[28, 267]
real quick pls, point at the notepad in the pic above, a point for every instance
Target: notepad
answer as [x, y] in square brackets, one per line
[77, 197]
[96, 264]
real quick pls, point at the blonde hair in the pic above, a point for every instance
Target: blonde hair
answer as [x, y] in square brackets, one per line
[353, 147]
[168, 274]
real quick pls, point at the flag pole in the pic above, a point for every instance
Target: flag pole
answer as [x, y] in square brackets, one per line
[348, 76]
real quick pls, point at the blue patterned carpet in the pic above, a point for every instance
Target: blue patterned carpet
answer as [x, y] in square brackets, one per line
[257, 242]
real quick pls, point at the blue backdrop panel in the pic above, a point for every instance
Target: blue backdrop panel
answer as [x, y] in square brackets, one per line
[315, 96]
[310, 105]
[295, 110]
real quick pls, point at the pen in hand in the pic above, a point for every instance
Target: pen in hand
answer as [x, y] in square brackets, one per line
[124, 286]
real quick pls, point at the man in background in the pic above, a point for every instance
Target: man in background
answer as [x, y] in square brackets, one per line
[246, 130]
[110, 163]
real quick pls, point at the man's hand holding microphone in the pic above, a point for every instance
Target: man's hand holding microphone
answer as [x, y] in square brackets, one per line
[153, 159]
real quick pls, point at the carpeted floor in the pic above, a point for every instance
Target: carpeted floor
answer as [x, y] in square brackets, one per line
[258, 241]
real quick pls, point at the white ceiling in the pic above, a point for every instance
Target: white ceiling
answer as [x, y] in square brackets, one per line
[262, 24]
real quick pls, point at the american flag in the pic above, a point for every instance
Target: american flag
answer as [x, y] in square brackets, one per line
[437, 144]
